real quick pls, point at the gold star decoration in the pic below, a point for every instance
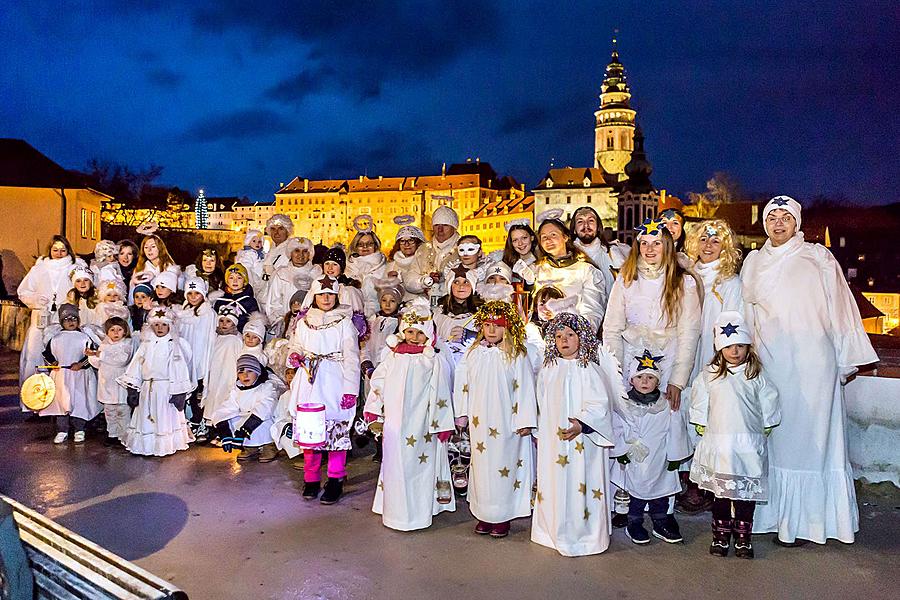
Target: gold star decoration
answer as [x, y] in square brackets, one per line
[560, 433]
[563, 460]
[520, 463]
[597, 494]
[587, 514]
[540, 496]
[466, 389]
[515, 384]
[480, 446]
[423, 458]
[579, 446]
[428, 437]
[504, 472]
[411, 440]
[434, 424]
[515, 408]
[493, 432]
[517, 484]
[442, 404]
[475, 421]
[582, 488]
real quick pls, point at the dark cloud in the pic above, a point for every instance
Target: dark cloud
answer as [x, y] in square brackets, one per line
[164, 78]
[525, 118]
[239, 125]
[383, 152]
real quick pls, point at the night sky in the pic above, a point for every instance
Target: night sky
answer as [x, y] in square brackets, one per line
[793, 97]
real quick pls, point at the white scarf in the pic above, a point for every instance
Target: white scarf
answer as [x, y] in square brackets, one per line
[760, 275]
[359, 267]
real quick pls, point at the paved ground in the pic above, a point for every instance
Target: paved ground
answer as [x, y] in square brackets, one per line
[221, 530]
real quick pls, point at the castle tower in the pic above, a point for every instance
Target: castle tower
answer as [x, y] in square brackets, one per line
[638, 199]
[614, 121]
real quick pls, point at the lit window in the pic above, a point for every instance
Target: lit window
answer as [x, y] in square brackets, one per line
[84, 223]
[93, 225]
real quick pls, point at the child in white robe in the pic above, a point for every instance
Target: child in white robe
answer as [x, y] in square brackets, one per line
[84, 295]
[575, 392]
[734, 408]
[325, 350]
[453, 317]
[283, 421]
[494, 396]
[75, 402]
[253, 336]
[111, 360]
[196, 324]
[244, 421]
[651, 441]
[411, 395]
[158, 377]
[111, 293]
[223, 364]
[541, 315]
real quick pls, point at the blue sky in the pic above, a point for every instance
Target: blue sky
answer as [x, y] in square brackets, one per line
[236, 97]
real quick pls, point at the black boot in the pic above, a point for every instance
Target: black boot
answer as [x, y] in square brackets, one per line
[311, 490]
[743, 530]
[721, 537]
[377, 457]
[334, 488]
[666, 528]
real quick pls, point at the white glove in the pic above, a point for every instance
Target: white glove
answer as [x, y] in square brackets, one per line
[524, 271]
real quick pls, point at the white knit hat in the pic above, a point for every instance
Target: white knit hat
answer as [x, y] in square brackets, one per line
[417, 315]
[160, 314]
[252, 233]
[444, 215]
[457, 271]
[323, 285]
[108, 286]
[731, 329]
[280, 220]
[256, 325]
[407, 229]
[499, 268]
[645, 364]
[784, 202]
[298, 242]
[167, 279]
[81, 272]
[196, 284]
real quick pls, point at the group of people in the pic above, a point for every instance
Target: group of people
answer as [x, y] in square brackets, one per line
[568, 378]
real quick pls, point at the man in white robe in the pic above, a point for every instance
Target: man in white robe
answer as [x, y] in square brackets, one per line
[809, 335]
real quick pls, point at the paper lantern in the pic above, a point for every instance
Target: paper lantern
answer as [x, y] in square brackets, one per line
[309, 431]
[38, 392]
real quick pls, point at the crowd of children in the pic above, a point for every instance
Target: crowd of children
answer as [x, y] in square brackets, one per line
[502, 375]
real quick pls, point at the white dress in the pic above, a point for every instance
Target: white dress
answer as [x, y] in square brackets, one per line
[76, 391]
[111, 364]
[601, 258]
[241, 404]
[367, 269]
[498, 398]
[535, 345]
[43, 290]
[222, 372]
[160, 370]
[809, 335]
[412, 392]
[197, 326]
[328, 345]
[731, 459]
[578, 278]
[572, 507]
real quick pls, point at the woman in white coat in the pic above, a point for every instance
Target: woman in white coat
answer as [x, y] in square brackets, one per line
[366, 263]
[561, 265]
[810, 337]
[44, 290]
[404, 262]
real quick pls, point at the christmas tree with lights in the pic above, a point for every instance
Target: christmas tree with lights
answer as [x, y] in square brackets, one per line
[201, 211]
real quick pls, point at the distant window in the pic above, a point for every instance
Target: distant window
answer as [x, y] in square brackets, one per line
[842, 242]
[84, 223]
[588, 199]
[93, 225]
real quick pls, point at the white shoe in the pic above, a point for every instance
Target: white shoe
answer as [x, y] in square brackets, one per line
[61, 437]
[79, 437]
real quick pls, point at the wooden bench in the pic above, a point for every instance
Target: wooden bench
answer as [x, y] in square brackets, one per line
[67, 567]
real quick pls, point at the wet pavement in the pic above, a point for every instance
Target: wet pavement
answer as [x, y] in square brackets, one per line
[223, 530]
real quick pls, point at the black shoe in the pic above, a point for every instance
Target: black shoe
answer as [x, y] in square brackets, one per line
[334, 488]
[619, 520]
[795, 544]
[110, 441]
[667, 530]
[377, 457]
[636, 533]
[311, 490]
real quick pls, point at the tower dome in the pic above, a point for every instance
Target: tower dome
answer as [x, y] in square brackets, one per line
[614, 120]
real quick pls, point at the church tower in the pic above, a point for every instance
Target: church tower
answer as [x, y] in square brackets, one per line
[614, 121]
[638, 199]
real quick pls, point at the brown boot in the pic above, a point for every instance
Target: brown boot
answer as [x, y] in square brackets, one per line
[692, 500]
[268, 453]
[743, 530]
[248, 453]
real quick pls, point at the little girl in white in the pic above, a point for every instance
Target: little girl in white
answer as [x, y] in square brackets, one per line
[411, 393]
[196, 324]
[111, 293]
[575, 392]
[734, 407]
[158, 375]
[494, 395]
[84, 295]
[111, 359]
[383, 323]
[253, 335]
[223, 365]
[252, 257]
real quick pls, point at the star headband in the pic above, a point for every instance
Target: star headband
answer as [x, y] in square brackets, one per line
[649, 227]
[648, 361]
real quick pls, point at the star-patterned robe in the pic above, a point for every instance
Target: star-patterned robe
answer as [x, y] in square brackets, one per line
[497, 395]
[412, 393]
[572, 507]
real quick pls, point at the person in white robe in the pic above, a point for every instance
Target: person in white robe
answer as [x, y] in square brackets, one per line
[196, 323]
[325, 350]
[365, 262]
[734, 407]
[111, 359]
[227, 347]
[253, 257]
[244, 421]
[112, 294]
[651, 441]
[84, 295]
[809, 335]
[575, 392]
[383, 323]
[282, 430]
[433, 256]
[158, 378]
[454, 316]
[404, 262]
[75, 400]
[411, 395]
[494, 397]
[587, 227]
[296, 272]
